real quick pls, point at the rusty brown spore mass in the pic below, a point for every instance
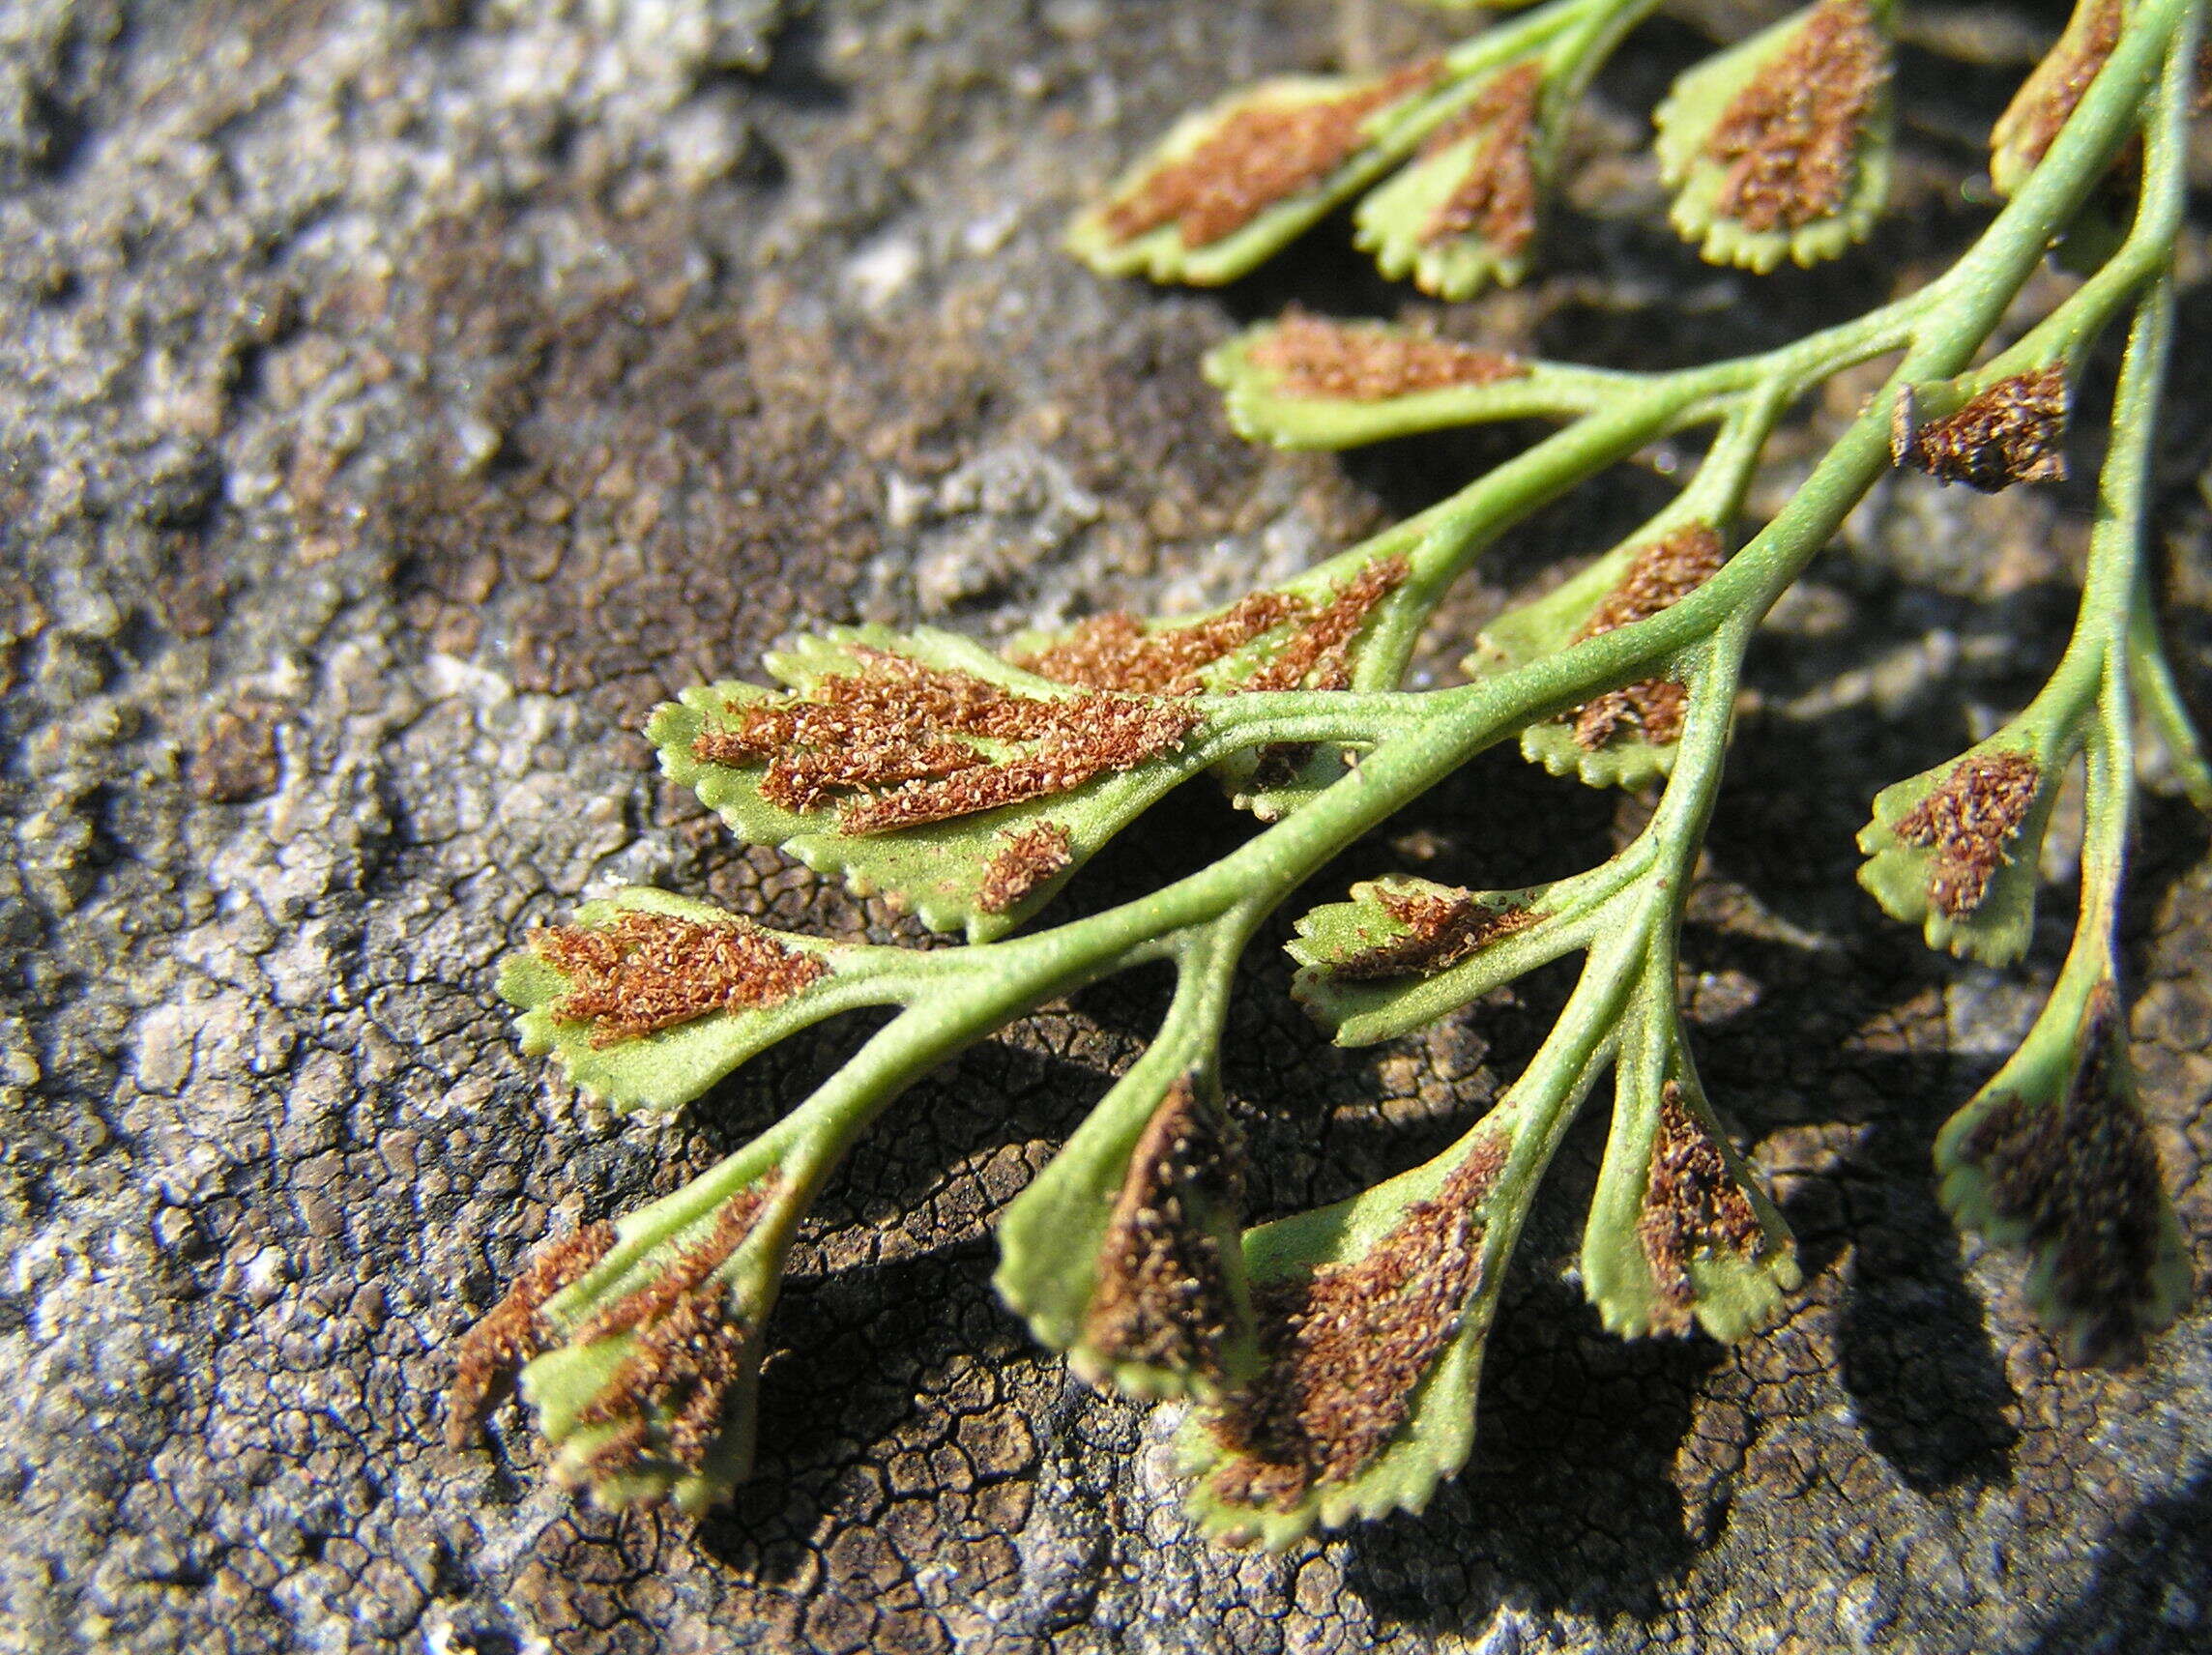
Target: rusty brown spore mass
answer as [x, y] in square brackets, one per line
[2082, 1177]
[1347, 1347]
[1088, 736]
[681, 1370]
[2011, 432]
[1654, 708]
[687, 1268]
[1315, 656]
[1789, 139]
[690, 1347]
[1163, 1296]
[1966, 820]
[2051, 93]
[895, 739]
[1313, 357]
[1497, 196]
[1259, 154]
[512, 1331]
[1692, 1206]
[649, 972]
[1024, 860]
[1440, 931]
[1659, 576]
[1114, 652]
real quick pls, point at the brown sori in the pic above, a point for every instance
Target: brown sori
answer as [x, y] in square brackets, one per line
[1024, 860]
[1692, 1205]
[1312, 357]
[512, 1332]
[1163, 1296]
[1497, 196]
[1262, 154]
[649, 972]
[1789, 139]
[1966, 820]
[1442, 929]
[1659, 576]
[1347, 1347]
[2082, 1177]
[2009, 433]
[895, 740]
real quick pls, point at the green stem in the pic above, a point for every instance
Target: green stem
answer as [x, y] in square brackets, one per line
[983, 987]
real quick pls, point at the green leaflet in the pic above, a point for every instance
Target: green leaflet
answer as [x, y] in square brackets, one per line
[1708, 207]
[1463, 214]
[670, 1068]
[1955, 849]
[1627, 754]
[1320, 625]
[1125, 1252]
[1283, 202]
[1269, 401]
[644, 1370]
[1678, 1230]
[2023, 132]
[939, 871]
[1361, 1010]
[1543, 627]
[2053, 1156]
[1374, 1314]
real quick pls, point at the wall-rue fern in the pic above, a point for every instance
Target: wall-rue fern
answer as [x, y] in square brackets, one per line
[1330, 1358]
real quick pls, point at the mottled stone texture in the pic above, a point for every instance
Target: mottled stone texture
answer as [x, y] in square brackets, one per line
[396, 397]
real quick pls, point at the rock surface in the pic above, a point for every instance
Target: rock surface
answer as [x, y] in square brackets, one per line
[401, 396]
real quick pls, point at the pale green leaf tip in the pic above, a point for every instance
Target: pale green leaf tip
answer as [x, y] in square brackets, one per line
[2054, 1157]
[1807, 230]
[1956, 849]
[1398, 222]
